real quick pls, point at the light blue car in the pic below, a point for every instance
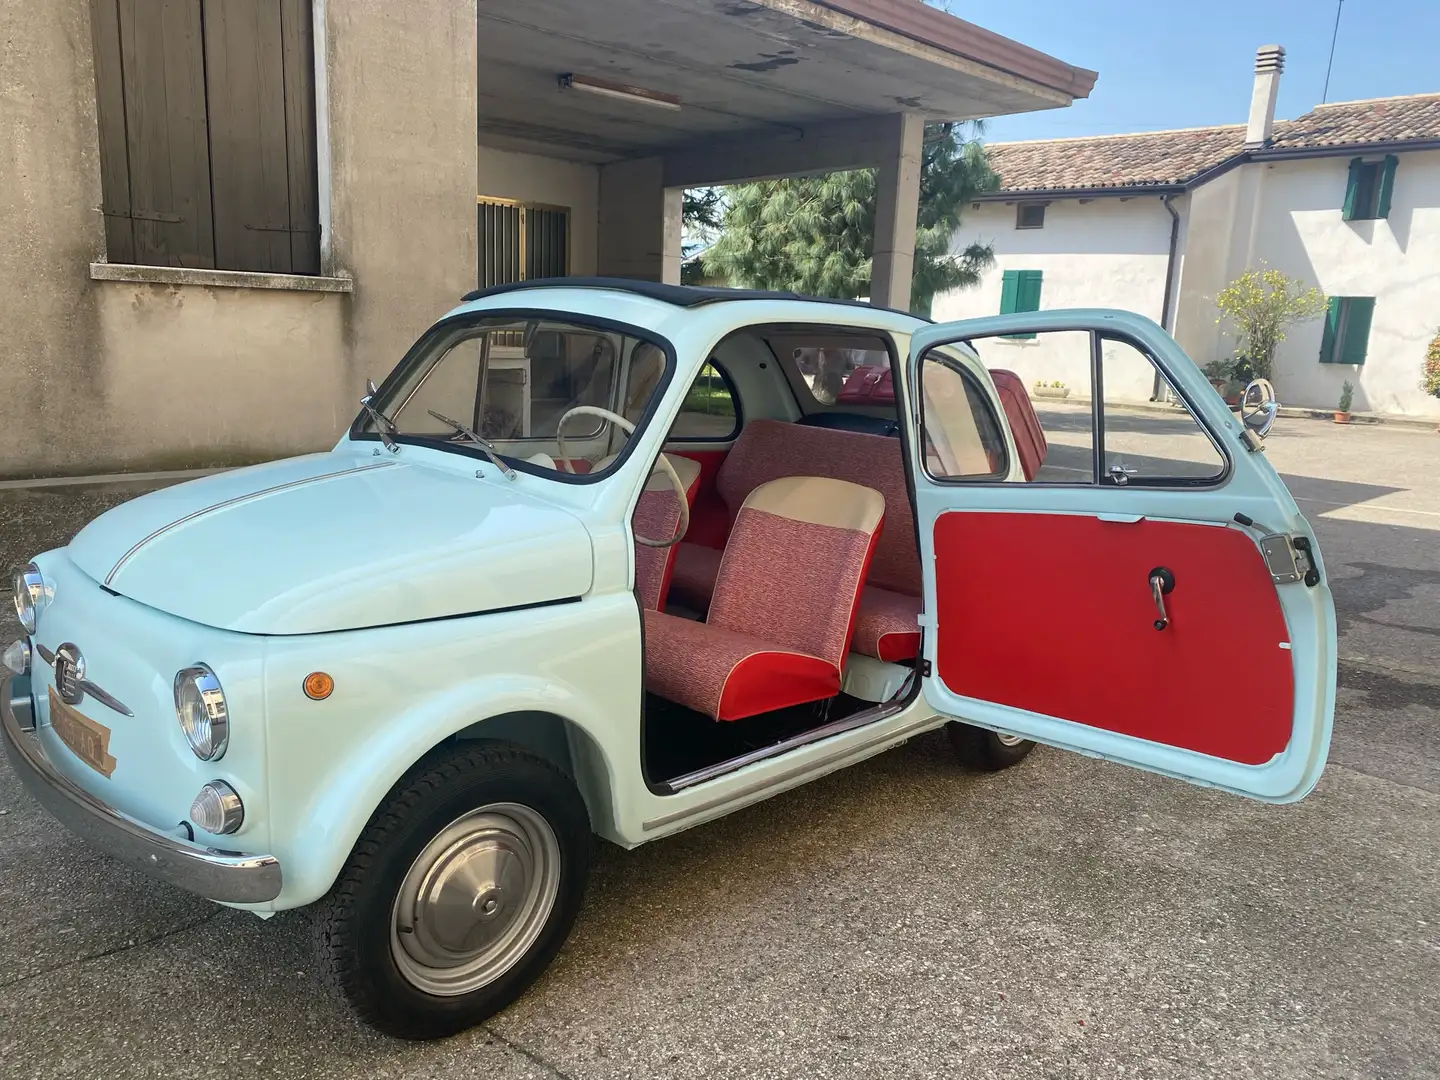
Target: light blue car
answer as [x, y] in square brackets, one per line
[609, 558]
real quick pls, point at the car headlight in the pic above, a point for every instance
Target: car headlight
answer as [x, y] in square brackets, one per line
[200, 708]
[30, 596]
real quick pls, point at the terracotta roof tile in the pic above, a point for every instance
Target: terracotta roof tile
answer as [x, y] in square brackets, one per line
[1160, 158]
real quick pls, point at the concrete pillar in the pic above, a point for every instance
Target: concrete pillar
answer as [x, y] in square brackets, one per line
[639, 227]
[897, 203]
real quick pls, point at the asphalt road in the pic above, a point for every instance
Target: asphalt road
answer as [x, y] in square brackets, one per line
[1068, 918]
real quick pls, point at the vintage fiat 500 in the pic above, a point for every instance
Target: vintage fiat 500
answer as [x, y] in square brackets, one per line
[613, 558]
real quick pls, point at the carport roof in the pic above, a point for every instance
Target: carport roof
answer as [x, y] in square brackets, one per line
[741, 68]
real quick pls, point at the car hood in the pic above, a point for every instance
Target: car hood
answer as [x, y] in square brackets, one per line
[335, 542]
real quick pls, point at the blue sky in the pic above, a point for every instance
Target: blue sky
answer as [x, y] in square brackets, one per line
[1170, 65]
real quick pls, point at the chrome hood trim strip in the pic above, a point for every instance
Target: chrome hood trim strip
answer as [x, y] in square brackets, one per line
[231, 502]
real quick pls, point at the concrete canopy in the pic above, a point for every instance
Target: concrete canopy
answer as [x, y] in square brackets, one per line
[741, 69]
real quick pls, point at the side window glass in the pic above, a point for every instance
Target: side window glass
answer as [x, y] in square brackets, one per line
[961, 434]
[1045, 388]
[1145, 440]
[709, 410]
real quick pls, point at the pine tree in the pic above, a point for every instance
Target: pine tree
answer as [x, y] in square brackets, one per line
[814, 234]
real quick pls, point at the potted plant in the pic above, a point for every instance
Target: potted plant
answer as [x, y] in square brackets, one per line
[1056, 389]
[1260, 305]
[1430, 382]
[1342, 410]
[1218, 372]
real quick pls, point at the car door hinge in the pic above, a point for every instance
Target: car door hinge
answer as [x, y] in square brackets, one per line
[1289, 558]
[925, 669]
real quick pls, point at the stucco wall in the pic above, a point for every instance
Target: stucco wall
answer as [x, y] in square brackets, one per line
[1396, 260]
[503, 174]
[1105, 253]
[108, 376]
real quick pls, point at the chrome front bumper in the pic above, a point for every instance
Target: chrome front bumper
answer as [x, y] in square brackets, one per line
[224, 876]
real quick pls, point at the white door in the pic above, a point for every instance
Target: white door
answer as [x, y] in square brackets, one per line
[1125, 578]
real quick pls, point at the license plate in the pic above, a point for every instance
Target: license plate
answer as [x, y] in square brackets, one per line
[89, 741]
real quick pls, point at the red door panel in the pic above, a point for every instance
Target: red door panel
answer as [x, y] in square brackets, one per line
[1053, 613]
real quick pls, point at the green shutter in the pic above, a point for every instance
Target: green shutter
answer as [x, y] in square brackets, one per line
[1352, 190]
[1359, 309]
[1029, 291]
[1009, 291]
[1387, 186]
[1332, 327]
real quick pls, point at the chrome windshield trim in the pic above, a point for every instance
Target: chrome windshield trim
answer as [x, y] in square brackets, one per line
[231, 502]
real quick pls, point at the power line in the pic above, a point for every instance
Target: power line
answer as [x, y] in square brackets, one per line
[1324, 94]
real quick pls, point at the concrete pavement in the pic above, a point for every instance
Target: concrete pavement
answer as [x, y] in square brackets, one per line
[1068, 918]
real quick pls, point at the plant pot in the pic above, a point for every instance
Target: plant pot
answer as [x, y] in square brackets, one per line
[1058, 392]
[1342, 417]
[1219, 385]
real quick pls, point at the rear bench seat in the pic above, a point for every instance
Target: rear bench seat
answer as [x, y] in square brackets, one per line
[886, 623]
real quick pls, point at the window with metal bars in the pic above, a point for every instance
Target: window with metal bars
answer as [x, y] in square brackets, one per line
[522, 242]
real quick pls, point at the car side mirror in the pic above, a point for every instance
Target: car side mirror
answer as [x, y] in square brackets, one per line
[1258, 407]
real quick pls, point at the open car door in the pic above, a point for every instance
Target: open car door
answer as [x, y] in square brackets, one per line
[1152, 595]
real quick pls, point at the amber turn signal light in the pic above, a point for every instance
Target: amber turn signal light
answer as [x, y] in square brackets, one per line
[318, 686]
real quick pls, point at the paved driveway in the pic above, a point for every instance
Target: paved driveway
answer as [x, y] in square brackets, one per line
[1066, 919]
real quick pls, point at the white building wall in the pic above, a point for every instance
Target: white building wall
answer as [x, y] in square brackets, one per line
[1397, 260]
[533, 178]
[1103, 253]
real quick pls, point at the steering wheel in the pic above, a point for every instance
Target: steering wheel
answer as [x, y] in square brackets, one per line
[662, 462]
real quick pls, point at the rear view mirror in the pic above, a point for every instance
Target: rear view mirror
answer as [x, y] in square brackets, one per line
[1258, 407]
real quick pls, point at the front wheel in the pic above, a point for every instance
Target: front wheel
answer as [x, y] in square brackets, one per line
[459, 892]
[988, 751]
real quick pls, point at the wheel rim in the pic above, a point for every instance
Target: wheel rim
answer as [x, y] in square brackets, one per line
[475, 899]
[1008, 740]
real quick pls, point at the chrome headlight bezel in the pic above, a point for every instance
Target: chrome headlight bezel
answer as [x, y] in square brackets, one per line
[202, 712]
[30, 596]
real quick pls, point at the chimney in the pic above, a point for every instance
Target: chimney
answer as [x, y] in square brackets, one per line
[1269, 63]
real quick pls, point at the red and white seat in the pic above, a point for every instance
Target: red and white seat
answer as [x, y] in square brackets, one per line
[887, 623]
[782, 612]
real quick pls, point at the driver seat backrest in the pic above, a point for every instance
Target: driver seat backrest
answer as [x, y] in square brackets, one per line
[657, 515]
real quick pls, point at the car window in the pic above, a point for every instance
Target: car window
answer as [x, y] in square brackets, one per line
[834, 375]
[709, 410]
[513, 380]
[960, 431]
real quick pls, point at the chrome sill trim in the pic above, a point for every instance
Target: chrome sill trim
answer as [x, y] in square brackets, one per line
[224, 876]
[817, 765]
[231, 502]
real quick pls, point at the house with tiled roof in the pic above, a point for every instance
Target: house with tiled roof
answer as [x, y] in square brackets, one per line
[1345, 197]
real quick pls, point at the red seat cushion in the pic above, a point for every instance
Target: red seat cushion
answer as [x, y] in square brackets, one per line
[887, 625]
[726, 675]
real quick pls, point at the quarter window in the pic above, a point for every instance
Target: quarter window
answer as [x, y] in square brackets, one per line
[710, 410]
[206, 113]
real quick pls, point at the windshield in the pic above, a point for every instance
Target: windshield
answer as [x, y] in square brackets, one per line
[513, 380]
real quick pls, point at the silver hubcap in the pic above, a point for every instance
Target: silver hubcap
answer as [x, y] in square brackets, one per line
[475, 900]
[1008, 740]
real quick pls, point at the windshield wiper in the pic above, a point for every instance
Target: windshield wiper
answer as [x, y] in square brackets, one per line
[477, 440]
[384, 426]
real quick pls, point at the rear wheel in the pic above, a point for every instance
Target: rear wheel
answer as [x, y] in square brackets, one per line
[460, 891]
[988, 751]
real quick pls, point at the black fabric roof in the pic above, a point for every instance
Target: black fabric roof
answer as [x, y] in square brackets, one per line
[679, 295]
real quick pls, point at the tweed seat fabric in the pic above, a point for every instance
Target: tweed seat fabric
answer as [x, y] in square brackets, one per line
[783, 609]
[767, 450]
[657, 515]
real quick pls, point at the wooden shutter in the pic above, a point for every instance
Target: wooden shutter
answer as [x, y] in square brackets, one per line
[1009, 291]
[110, 109]
[259, 75]
[1387, 186]
[1332, 330]
[1352, 190]
[166, 132]
[1355, 339]
[1029, 290]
